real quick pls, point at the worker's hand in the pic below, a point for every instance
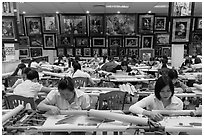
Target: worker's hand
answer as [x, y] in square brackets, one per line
[54, 110]
[156, 116]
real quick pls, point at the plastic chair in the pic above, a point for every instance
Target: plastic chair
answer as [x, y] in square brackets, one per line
[113, 100]
[80, 82]
[15, 100]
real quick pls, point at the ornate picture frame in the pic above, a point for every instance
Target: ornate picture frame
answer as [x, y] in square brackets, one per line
[33, 25]
[162, 38]
[146, 54]
[82, 42]
[87, 52]
[180, 29]
[36, 52]
[98, 42]
[147, 41]
[49, 24]
[96, 24]
[49, 41]
[9, 28]
[181, 8]
[161, 23]
[146, 23]
[7, 9]
[132, 41]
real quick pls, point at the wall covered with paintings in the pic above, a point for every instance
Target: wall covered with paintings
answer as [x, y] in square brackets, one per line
[137, 34]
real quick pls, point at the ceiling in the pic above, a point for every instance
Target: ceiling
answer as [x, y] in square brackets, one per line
[98, 7]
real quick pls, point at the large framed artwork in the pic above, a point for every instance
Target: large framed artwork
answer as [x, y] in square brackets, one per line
[82, 42]
[87, 52]
[118, 24]
[23, 53]
[180, 29]
[146, 23]
[146, 54]
[24, 41]
[161, 23]
[115, 41]
[8, 28]
[166, 51]
[132, 41]
[50, 24]
[147, 41]
[96, 25]
[7, 9]
[65, 40]
[33, 25]
[181, 8]
[73, 24]
[162, 38]
[49, 41]
[198, 23]
[36, 41]
[35, 52]
[98, 42]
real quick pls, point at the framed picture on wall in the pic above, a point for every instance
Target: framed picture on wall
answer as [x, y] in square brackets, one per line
[96, 25]
[147, 41]
[181, 8]
[87, 52]
[24, 41]
[146, 54]
[7, 9]
[196, 37]
[132, 51]
[82, 42]
[162, 38]
[60, 51]
[132, 42]
[98, 42]
[66, 41]
[115, 42]
[49, 41]
[36, 41]
[160, 23]
[23, 53]
[122, 52]
[21, 26]
[8, 28]
[35, 52]
[70, 52]
[49, 24]
[166, 51]
[104, 52]
[113, 52]
[180, 29]
[96, 51]
[33, 25]
[198, 24]
[146, 23]
[78, 52]
[73, 24]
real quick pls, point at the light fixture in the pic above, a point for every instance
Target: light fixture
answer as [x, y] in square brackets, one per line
[117, 6]
[118, 12]
[24, 12]
[161, 6]
[87, 12]
[14, 10]
[149, 11]
[57, 12]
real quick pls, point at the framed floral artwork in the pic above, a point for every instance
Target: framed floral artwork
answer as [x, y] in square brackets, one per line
[49, 41]
[70, 52]
[36, 41]
[160, 23]
[82, 42]
[96, 25]
[24, 41]
[180, 29]
[49, 24]
[162, 38]
[147, 41]
[87, 52]
[35, 52]
[181, 8]
[33, 25]
[198, 23]
[146, 23]
[9, 28]
[98, 42]
[23, 53]
[146, 54]
[73, 24]
[115, 41]
[66, 40]
[7, 8]
[132, 41]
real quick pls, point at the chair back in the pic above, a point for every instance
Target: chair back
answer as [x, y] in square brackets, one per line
[11, 80]
[80, 82]
[15, 100]
[113, 100]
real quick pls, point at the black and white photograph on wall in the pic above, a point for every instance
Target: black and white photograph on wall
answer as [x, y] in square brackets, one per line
[98, 42]
[104, 52]
[35, 52]
[147, 41]
[36, 41]
[24, 41]
[162, 38]
[70, 52]
[96, 25]
[87, 52]
[78, 52]
[160, 23]
[49, 41]
[23, 53]
[132, 42]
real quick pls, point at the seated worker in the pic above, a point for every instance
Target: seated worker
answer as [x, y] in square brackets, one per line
[133, 60]
[18, 70]
[124, 67]
[186, 66]
[79, 73]
[95, 59]
[173, 75]
[59, 61]
[33, 64]
[30, 87]
[109, 66]
[162, 99]
[65, 98]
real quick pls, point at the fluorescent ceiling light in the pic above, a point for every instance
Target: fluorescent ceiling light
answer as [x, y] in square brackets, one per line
[161, 6]
[117, 6]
